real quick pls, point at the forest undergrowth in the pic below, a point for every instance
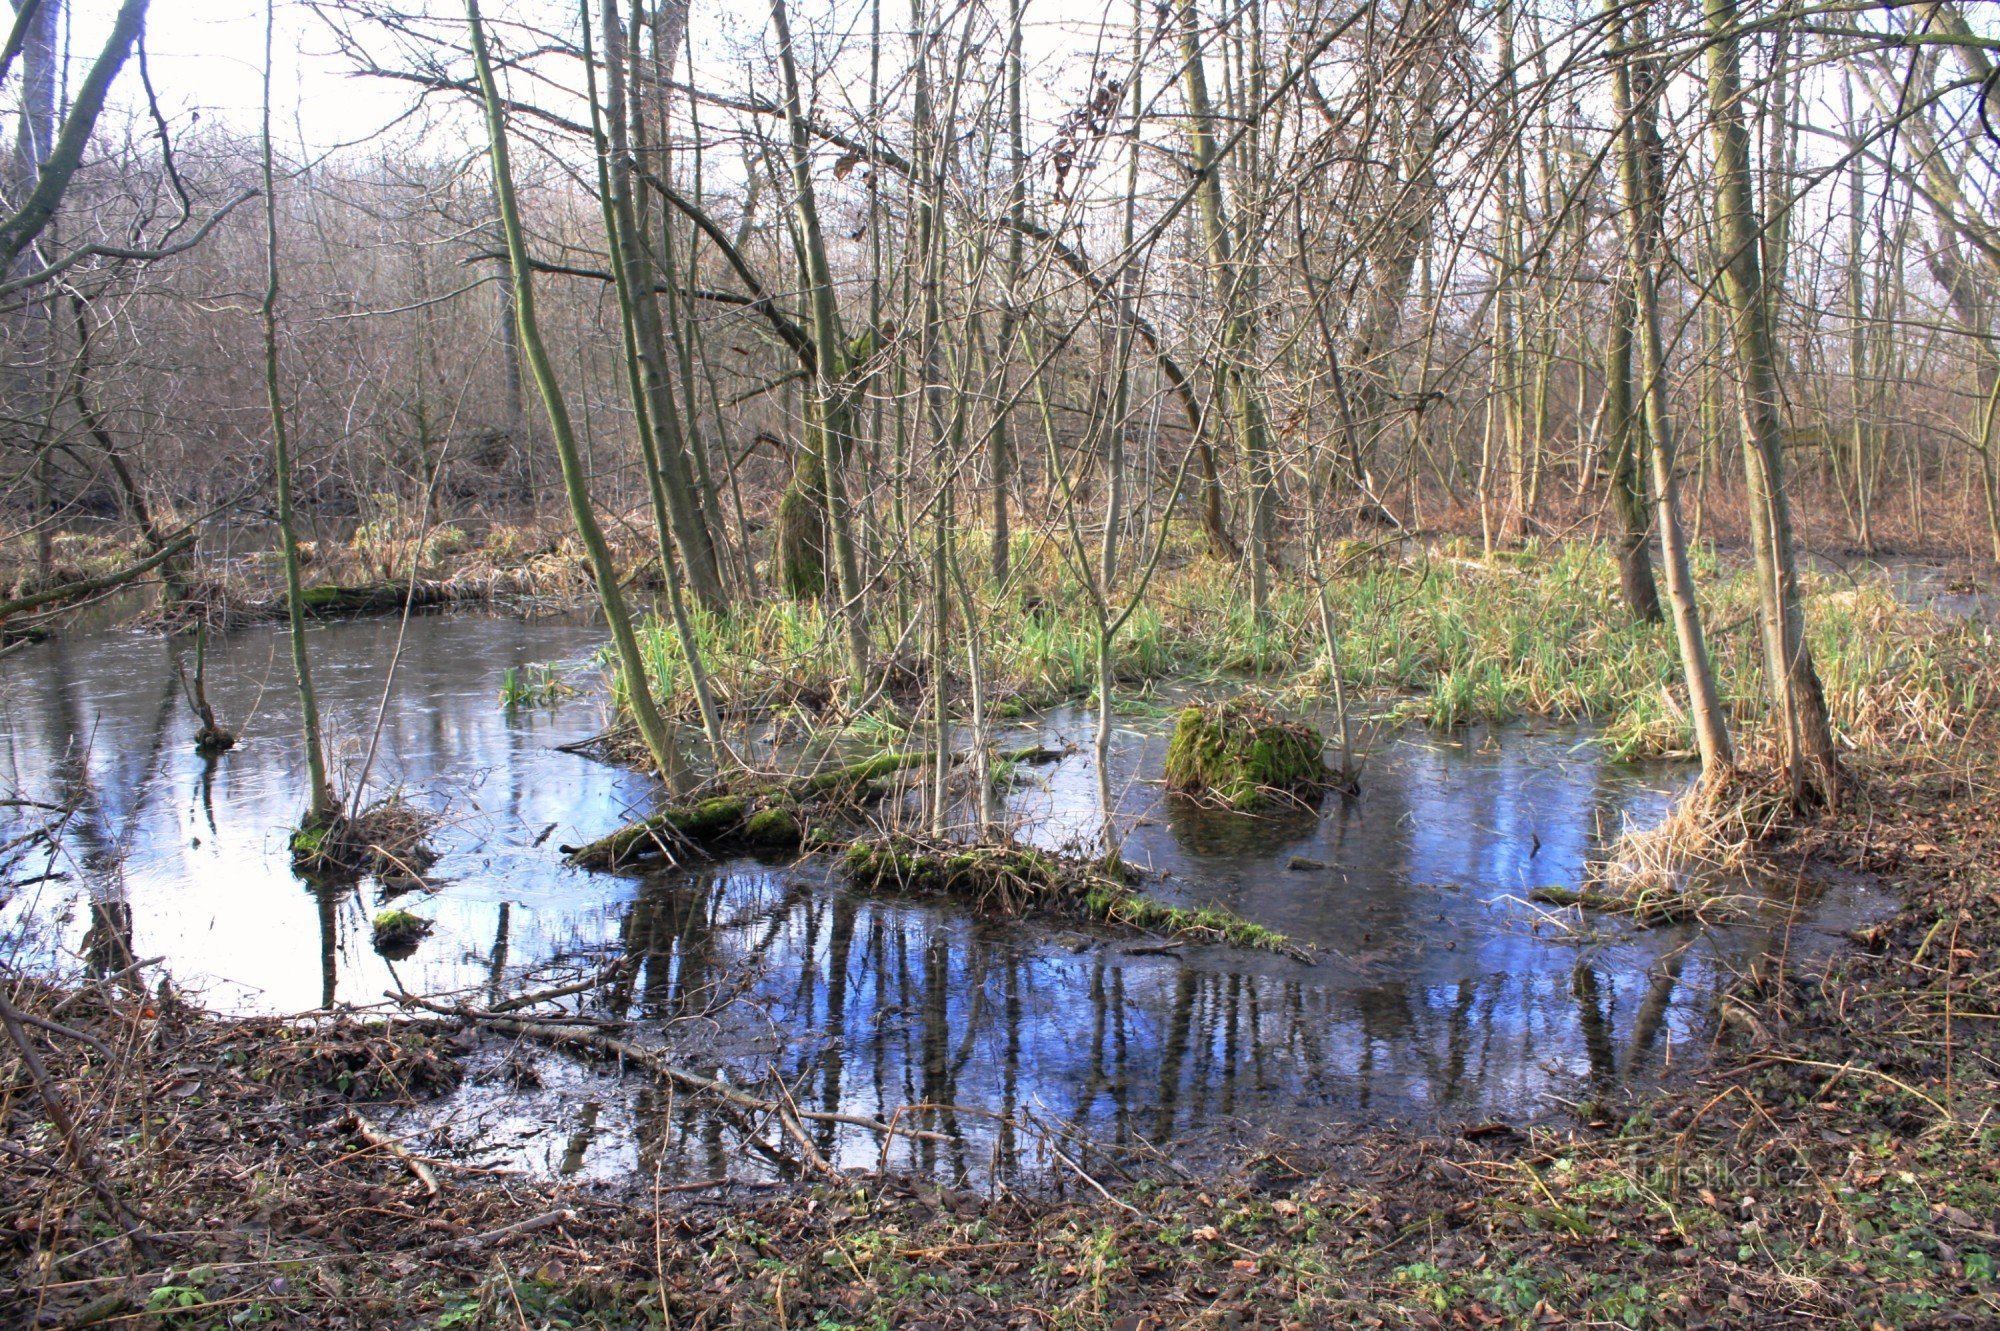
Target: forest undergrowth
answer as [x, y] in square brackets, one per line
[1424, 633]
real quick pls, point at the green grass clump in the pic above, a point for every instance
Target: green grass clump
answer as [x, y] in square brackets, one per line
[1210, 922]
[538, 684]
[1243, 756]
[1432, 636]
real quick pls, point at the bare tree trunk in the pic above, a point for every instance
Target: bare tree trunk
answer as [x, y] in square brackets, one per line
[631, 661]
[324, 806]
[1642, 178]
[1797, 697]
[1626, 446]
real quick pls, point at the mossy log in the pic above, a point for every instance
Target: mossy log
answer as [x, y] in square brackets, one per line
[738, 819]
[1243, 756]
[758, 817]
[328, 599]
[1003, 880]
[1010, 880]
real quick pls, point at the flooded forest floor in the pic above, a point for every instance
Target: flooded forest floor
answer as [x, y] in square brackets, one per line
[1833, 1158]
[1835, 1163]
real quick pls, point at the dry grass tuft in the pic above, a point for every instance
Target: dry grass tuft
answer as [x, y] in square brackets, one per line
[1706, 859]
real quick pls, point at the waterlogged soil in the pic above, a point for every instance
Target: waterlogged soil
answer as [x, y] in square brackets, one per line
[1436, 992]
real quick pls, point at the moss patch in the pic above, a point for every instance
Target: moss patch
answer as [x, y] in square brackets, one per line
[1243, 756]
[397, 933]
[774, 828]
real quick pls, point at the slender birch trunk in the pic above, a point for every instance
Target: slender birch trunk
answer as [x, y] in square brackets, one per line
[1642, 179]
[646, 716]
[324, 807]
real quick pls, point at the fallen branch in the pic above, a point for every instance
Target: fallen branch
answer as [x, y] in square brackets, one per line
[103, 582]
[374, 1136]
[495, 1237]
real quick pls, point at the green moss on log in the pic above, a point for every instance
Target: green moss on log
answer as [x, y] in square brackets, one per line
[711, 824]
[1245, 757]
[328, 598]
[774, 828]
[1001, 880]
[1010, 880]
[765, 816]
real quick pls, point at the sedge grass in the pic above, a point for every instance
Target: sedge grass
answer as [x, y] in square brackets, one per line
[1432, 637]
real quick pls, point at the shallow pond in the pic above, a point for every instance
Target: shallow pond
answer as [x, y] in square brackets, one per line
[1436, 992]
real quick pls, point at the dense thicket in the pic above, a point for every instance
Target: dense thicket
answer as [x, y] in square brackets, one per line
[824, 293]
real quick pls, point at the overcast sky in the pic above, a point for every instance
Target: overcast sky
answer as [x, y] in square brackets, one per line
[206, 55]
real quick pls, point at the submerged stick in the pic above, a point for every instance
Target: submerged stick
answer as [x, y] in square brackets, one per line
[652, 1060]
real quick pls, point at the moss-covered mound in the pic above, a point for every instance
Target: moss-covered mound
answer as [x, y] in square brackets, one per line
[389, 840]
[1244, 756]
[397, 933]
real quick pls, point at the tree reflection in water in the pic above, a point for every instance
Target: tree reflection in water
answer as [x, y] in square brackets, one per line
[1431, 996]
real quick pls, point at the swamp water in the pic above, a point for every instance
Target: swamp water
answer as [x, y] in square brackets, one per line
[1436, 993]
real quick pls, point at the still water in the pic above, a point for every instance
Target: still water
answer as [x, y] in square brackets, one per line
[1436, 993]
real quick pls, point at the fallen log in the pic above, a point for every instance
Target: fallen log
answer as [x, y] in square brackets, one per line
[374, 597]
[746, 820]
[760, 816]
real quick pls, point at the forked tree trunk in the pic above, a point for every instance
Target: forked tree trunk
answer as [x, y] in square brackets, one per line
[1642, 180]
[1796, 695]
[831, 411]
[663, 446]
[1239, 383]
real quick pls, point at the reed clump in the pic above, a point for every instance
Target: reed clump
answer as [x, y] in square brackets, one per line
[1707, 858]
